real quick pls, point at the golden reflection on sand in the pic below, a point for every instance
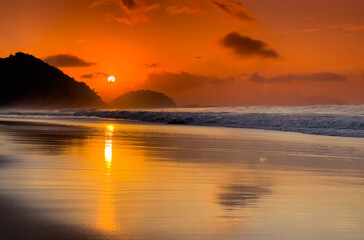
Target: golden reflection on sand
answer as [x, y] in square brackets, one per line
[108, 154]
[108, 147]
[107, 209]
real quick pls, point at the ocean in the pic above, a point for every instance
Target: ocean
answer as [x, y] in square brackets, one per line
[329, 120]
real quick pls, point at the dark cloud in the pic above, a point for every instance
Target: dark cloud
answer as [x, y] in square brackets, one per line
[165, 81]
[246, 46]
[130, 4]
[91, 75]
[97, 74]
[137, 11]
[151, 65]
[316, 77]
[67, 60]
[102, 74]
[233, 8]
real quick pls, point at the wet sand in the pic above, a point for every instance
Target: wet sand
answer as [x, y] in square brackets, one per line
[103, 179]
[20, 222]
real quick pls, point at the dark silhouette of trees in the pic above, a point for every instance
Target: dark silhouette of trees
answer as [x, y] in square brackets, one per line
[26, 81]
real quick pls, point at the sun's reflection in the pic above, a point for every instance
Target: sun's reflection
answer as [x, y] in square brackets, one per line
[108, 146]
[262, 159]
[110, 128]
[108, 153]
[107, 210]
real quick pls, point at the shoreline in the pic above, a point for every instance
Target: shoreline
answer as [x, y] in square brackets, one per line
[78, 121]
[342, 121]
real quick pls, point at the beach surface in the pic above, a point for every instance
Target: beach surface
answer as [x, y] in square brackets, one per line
[78, 178]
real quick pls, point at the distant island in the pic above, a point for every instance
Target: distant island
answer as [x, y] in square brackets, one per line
[27, 81]
[143, 99]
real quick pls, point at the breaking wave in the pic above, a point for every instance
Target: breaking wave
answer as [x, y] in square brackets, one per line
[330, 120]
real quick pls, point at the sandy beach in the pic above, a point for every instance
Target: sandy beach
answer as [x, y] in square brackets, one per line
[181, 120]
[75, 178]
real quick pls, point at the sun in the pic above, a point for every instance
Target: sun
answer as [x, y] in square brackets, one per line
[111, 79]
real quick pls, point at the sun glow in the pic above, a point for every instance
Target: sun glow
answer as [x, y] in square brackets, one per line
[111, 79]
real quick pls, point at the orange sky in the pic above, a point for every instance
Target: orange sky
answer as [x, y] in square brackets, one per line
[208, 52]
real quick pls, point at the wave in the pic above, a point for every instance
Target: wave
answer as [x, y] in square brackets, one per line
[330, 120]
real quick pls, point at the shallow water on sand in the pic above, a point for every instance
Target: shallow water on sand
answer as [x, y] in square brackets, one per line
[110, 179]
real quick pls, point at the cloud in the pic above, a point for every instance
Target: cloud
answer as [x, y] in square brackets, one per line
[129, 4]
[310, 18]
[233, 8]
[185, 6]
[355, 27]
[175, 82]
[91, 75]
[246, 46]
[349, 27]
[96, 3]
[67, 60]
[94, 75]
[151, 65]
[137, 11]
[309, 30]
[315, 77]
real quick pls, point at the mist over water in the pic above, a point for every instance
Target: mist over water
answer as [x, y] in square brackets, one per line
[105, 179]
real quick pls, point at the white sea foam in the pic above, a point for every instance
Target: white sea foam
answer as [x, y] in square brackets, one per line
[331, 120]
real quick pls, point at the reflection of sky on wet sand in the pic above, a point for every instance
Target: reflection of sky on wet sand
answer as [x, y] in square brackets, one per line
[44, 138]
[163, 182]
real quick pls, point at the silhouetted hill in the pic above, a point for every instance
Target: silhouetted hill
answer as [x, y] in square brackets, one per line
[27, 81]
[143, 99]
